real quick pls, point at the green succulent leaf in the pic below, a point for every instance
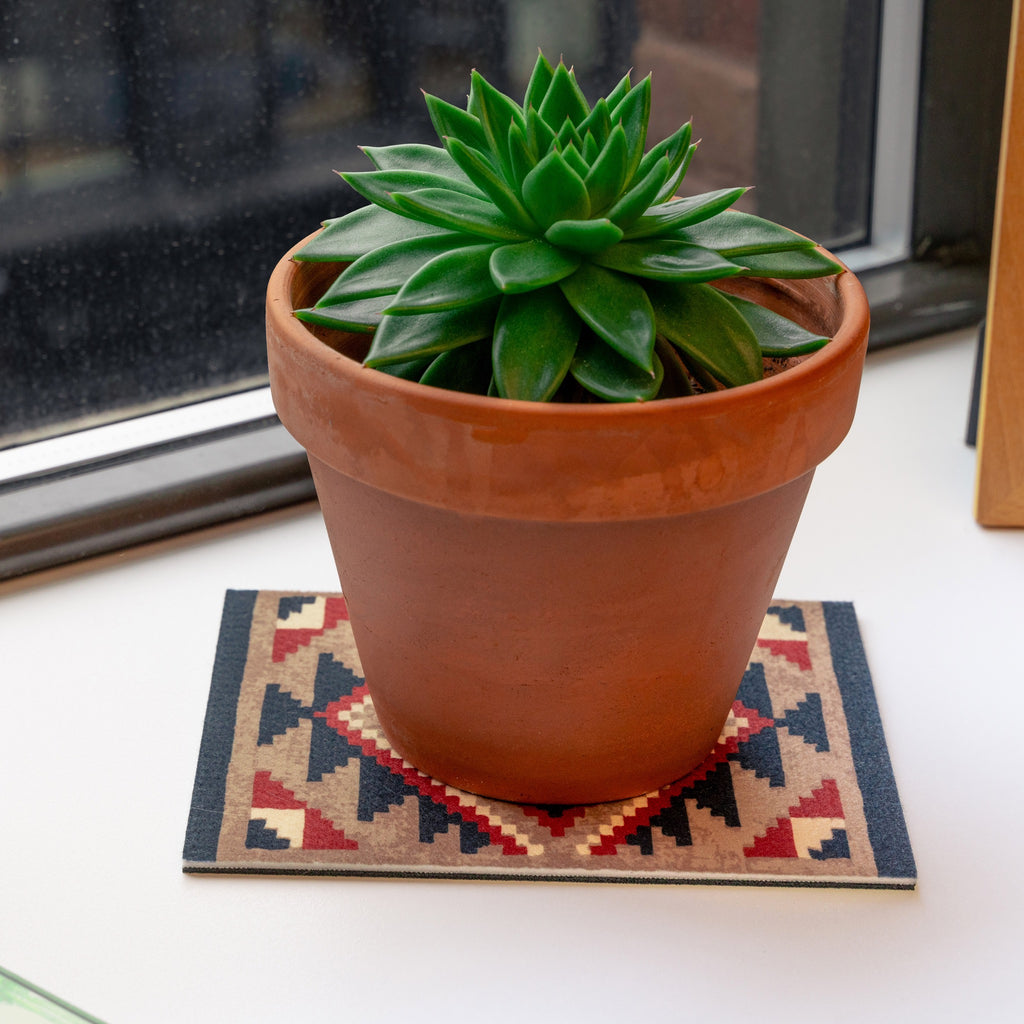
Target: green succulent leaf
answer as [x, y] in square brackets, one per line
[380, 187]
[401, 338]
[347, 238]
[616, 308]
[674, 147]
[452, 121]
[524, 266]
[456, 211]
[735, 234]
[709, 331]
[453, 279]
[534, 342]
[603, 372]
[776, 334]
[415, 157]
[496, 113]
[563, 100]
[607, 173]
[619, 93]
[360, 315]
[466, 369]
[633, 113]
[675, 178]
[598, 123]
[679, 150]
[568, 136]
[481, 172]
[574, 158]
[666, 260]
[793, 263]
[584, 236]
[383, 271]
[521, 158]
[411, 370]
[540, 80]
[540, 136]
[633, 204]
[677, 213]
[553, 191]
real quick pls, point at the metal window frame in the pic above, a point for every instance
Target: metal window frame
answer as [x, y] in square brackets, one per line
[99, 490]
[899, 80]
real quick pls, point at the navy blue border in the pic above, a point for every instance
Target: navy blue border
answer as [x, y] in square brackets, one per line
[887, 829]
[207, 810]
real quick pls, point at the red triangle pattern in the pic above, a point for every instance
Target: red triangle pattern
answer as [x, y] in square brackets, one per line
[318, 832]
[795, 651]
[776, 842]
[268, 792]
[288, 641]
[822, 803]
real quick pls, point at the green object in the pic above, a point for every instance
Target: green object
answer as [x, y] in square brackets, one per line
[24, 1003]
[541, 250]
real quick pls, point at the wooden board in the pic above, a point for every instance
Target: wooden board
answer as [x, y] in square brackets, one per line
[999, 495]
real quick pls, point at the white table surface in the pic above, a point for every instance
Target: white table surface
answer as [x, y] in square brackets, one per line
[104, 674]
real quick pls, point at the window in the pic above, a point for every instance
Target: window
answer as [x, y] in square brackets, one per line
[156, 160]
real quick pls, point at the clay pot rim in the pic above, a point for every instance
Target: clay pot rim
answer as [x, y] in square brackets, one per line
[457, 405]
[561, 462]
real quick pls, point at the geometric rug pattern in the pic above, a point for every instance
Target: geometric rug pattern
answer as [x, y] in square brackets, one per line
[294, 775]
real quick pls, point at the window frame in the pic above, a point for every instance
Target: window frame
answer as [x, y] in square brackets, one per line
[891, 231]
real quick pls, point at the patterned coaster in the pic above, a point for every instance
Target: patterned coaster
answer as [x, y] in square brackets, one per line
[295, 776]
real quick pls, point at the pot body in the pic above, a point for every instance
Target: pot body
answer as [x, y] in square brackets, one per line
[556, 605]
[548, 662]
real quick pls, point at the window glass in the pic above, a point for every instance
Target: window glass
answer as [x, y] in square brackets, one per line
[156, 159]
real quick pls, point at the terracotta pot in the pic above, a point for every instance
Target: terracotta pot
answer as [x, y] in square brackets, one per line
[556, 603]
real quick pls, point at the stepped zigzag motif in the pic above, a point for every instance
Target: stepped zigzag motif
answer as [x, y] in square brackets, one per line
[807, 720]
[352, 717]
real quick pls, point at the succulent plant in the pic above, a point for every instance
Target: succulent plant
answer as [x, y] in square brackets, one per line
[543, 254]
